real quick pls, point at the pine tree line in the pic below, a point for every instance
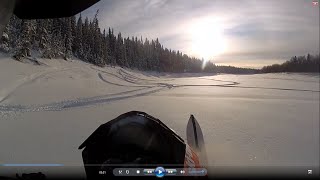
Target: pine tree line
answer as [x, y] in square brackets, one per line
[83, 38]
[311, 63]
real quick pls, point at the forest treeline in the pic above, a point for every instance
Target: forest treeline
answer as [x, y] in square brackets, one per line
[309, 63]
[84, 39]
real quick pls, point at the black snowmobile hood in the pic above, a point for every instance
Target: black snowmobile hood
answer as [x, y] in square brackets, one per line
[104, 130]
[134, 137]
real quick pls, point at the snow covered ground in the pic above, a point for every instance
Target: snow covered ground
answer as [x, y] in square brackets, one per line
[47, 111]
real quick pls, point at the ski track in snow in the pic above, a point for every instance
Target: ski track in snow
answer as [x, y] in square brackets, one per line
[81, 102]
[30, 79]
[116, 84]
[65, 105]
[292, 79]
[147, 87]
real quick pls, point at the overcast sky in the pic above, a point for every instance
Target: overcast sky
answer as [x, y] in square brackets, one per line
[236, 32]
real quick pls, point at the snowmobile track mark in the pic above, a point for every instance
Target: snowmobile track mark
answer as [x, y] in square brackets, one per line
[84, 102]
[30, 79]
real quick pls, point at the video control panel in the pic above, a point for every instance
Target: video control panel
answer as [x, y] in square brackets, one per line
[158, 172]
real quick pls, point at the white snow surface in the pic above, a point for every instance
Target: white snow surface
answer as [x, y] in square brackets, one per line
[47, 111]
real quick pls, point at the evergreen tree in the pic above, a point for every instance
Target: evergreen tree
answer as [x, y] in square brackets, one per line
[14, 31]
[97, 42]
[119, 51]
[57, 40]
[5, 41]
[73, 32]
[104, 47]
[44, 39]
[85, 39]
[111, 47]
[77, 43]
[68, 38]
[24, 43]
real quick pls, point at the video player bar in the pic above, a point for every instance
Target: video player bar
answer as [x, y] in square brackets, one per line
[160, 172]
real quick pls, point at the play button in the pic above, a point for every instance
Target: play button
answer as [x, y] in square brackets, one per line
[159, 172]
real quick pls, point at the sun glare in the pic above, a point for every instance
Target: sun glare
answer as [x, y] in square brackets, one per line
[207, 39]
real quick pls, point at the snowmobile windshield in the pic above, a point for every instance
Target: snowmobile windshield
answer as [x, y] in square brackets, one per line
[134, 138]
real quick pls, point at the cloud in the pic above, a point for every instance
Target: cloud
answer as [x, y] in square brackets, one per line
[254, 30]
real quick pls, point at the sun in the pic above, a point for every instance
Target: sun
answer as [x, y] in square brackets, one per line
[207, 39]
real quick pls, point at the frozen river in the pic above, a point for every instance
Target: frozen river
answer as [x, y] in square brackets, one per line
[265, 120]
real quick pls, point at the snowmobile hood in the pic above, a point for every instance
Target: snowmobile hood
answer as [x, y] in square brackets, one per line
[129, 118]
[132, 138]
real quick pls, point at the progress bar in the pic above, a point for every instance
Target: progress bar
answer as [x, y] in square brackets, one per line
[32, 165]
